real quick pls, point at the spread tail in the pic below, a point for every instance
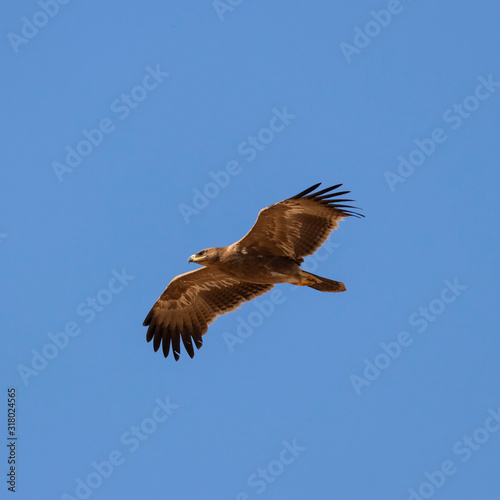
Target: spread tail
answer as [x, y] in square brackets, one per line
[326, 285]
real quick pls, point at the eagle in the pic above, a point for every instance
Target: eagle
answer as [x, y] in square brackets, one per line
[270, 253]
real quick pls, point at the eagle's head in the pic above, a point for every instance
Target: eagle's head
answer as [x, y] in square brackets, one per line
[205, 257]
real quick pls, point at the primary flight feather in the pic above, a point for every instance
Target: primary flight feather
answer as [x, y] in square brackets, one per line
[270, 253]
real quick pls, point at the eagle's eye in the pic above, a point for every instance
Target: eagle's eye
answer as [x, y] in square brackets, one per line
[201, 253]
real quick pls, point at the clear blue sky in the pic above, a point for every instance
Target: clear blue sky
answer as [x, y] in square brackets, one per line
[135, 134]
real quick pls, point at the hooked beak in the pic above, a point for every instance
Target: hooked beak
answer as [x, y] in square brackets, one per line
[192, 259]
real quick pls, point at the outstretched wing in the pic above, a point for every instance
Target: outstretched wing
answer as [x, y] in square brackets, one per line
[190, 303]
[298, 226]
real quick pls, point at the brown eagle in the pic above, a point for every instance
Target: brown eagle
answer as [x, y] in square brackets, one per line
[271, 252]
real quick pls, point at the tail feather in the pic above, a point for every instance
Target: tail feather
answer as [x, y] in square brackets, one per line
[327, 285]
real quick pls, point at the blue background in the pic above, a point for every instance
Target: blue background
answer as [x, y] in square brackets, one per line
[293, 377]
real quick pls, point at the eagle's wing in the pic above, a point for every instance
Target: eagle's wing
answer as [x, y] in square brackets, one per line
[298, 226]
[190, 303]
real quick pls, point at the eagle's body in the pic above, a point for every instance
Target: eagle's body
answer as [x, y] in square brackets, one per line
[270, 253]
[236, 260]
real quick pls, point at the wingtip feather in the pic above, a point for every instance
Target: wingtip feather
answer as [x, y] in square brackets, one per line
[306, 191]
[147, 319]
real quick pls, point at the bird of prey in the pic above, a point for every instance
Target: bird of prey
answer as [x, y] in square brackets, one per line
[270, 253]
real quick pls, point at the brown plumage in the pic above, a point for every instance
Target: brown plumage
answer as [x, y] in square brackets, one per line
[271, 252]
